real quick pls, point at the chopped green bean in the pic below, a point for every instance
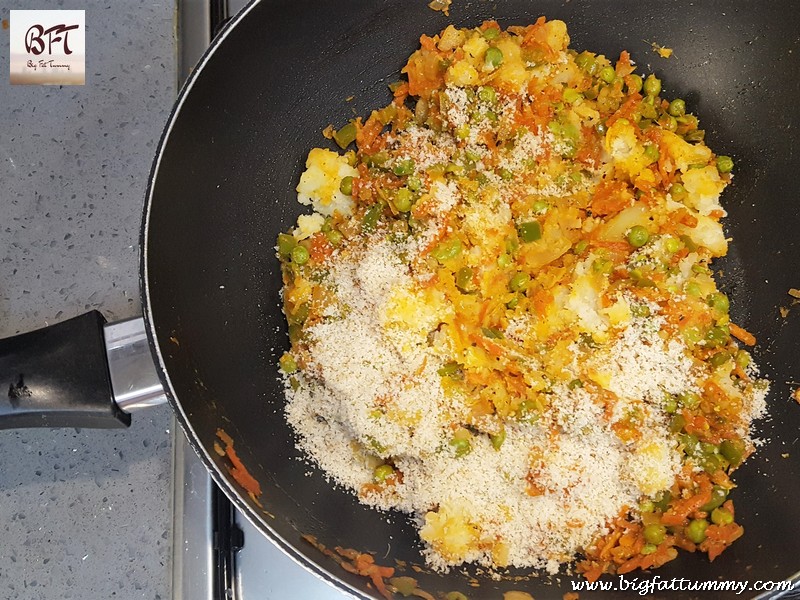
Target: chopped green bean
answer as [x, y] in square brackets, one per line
[382, 473]
[519, 282]
[530, 231]
[345, 136]
[286, 244]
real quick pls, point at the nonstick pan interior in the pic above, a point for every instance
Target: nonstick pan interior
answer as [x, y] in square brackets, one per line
[223, 188]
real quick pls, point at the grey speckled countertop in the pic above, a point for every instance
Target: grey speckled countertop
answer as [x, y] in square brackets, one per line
[84, 514]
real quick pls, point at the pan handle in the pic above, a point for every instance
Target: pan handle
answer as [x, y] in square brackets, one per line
[77, 373]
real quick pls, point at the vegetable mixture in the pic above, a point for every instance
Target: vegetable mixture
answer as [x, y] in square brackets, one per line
[502, 316]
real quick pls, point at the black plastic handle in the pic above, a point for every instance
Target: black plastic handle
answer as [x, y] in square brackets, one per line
[58, 377]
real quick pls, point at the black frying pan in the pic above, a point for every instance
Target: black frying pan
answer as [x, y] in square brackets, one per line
[222, 188]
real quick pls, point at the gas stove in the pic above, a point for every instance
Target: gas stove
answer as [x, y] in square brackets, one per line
[217, 553]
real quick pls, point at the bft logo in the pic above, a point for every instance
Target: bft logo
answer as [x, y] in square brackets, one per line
[47, 47]
[35, 43]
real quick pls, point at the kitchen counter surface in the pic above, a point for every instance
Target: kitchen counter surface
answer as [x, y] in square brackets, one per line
[84, 513]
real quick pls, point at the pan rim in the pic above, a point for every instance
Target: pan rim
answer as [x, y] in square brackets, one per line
[182, 418]
[228, 488]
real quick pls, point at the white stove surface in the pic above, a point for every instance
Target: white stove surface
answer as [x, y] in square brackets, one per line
[263, 571]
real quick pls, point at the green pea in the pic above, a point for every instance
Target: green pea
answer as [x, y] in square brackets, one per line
[646, 506]
[519, 282]
[720, 516]
[669, 123]
[403, 200]
[334, 237]
[672, 245]
[724, 164]
[287, 363]
[608, 74]
[530, 231]
[651, 152]
[655, 533]
[462, 131]
[447, 250]
[677, 108]
[286, 244]
[404, 167]
[506, 175]
[648, 549]
[492, 33]
[635, 84]
[540, 207]
[494, 57]
[497, 439]
[689, 400]
[733, 451]
[638, 236]
[742, 359]
[570, 95]
[382, 473]
[696, 530]
[513, 303]
[677, 191]
[652, 85]
[346, 186]
[300, 255]
[464, 279]
[719, 302]
[345, 136]
[414, 183]
[487, 94]
[461, 446]
[601, 128]
[575, 384]
[504, 261]
[670, 404]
